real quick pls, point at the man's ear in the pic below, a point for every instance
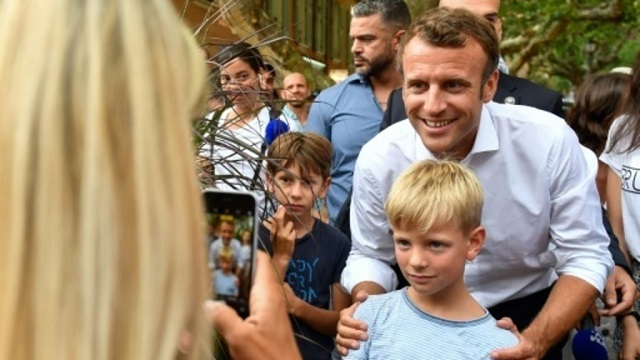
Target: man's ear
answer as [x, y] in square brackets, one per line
[397, 37]
[490, 86]
[476, 240]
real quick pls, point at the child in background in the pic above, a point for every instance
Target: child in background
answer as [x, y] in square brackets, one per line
[308, 254]
[225, 282]
[434, 210]
[598, 102]
[622, 156]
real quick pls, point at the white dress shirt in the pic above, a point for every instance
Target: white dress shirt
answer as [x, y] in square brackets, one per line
[541, 211]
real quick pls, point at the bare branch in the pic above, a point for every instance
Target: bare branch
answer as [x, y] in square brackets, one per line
[611, 10]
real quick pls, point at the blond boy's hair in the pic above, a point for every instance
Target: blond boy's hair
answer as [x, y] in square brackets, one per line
[432, 193]
[311, 152]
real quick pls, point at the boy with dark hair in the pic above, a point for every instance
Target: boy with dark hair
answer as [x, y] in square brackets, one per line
[308, 254]
[434, 209]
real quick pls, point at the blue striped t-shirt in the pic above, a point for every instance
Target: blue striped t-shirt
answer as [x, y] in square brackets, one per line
[397, 329]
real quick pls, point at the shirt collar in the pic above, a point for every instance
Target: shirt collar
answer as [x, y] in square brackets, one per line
[355, 77]
[486, 139]
[288, 113]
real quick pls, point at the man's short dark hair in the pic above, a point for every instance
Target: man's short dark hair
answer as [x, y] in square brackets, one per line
[394, 13]
[452, 28]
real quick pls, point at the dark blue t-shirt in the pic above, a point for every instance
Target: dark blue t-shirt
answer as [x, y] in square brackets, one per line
[317, 263]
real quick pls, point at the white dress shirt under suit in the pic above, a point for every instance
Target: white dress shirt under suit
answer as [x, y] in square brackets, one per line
[541, 211]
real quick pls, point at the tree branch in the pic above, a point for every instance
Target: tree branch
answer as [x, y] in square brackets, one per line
[525, 55]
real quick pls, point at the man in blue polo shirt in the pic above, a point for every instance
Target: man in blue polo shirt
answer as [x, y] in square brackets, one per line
[349, 113]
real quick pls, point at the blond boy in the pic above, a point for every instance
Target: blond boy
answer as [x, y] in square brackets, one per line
[434, 209]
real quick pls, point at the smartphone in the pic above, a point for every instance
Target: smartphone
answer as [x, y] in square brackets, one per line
[232, 223]
[231, 240]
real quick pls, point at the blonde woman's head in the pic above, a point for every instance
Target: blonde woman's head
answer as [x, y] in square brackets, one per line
[100, 214]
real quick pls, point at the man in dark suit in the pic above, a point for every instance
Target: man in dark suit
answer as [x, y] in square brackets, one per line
[515, 90]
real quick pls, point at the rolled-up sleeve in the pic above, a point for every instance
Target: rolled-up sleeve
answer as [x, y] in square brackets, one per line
[372, 250]
[576, 215]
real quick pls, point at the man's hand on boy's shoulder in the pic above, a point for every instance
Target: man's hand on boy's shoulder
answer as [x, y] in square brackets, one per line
[524, 350]
[350, 330]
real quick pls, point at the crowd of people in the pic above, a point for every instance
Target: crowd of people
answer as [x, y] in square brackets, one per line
[428, 206]
[551, 247]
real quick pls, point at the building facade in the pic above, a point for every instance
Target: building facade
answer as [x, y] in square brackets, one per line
[315, 30]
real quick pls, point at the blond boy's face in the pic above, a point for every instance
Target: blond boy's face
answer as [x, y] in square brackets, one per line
[225, 264]
[433, 262]
[297, 193]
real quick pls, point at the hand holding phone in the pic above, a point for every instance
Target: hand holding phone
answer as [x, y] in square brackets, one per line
[267, 333]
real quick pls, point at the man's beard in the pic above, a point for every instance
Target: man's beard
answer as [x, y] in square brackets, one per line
[296, 103]
[377, 65]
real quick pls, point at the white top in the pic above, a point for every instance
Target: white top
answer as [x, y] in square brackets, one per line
[627, 166]
[542, 212]
[235, 165]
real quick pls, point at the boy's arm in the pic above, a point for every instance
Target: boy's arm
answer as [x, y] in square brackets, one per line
[321, 320]
[340, 298]
[630, 338]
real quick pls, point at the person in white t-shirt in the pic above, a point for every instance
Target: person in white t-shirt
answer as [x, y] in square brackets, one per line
[622, 155]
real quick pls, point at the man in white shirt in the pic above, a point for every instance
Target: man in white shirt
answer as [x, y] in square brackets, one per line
[542, 212]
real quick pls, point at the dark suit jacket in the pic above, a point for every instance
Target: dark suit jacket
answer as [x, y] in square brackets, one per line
[515, 90]
[511, 90]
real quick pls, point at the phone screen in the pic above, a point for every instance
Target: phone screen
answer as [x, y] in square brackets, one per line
[231, 233]
[231, 224]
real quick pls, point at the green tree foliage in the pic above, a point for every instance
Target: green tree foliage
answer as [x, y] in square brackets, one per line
[558, 43]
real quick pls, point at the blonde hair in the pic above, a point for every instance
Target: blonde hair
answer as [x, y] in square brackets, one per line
[433, 193]
[101, 222]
